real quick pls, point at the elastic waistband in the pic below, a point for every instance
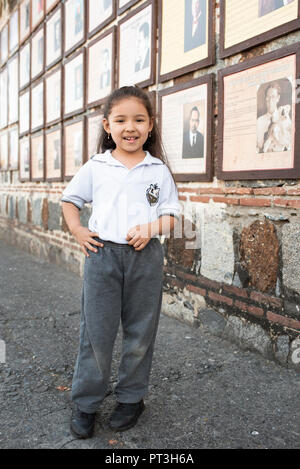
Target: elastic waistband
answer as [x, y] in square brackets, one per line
[120, 245]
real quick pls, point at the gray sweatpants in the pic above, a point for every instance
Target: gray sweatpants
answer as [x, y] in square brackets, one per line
[119, 285]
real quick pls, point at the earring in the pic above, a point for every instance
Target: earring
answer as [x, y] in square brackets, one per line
[150, 135]
[108, 136]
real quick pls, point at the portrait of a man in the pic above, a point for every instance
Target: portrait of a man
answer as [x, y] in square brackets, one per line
[275, 125]
[267, 6]
[194, 24]
[78, 17]
[143, 47]
[105, 69]
[193, 140]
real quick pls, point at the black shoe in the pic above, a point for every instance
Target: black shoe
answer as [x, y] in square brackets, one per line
[82, 424]
[125, 416]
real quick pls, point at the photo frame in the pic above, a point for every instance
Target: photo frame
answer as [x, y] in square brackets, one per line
[3, 97]
[186, 123]
[258, 112]
[25, 20]
[53, 96]
[4, 150]
[24, 112]
[74, 24]
[123, 5]
[14, 31]
[37, 13]
[53, 153]
[37, 104]
[13, 88]
[24, 152]
[137, 32]
[246, 25]
[93, 127]
[37, 53]
[37, 160]
[74, 84]
[4, 43]
[54, 35]
[100, 79]
[50, 4]
[99, 14]
[24, 65]
[183, 47]
[73, 146]
[13, 147]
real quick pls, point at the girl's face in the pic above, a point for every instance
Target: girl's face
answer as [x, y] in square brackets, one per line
[129, 125]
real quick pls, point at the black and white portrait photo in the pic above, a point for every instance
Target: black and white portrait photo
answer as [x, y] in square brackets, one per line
[274, 116]
[193, 139]
[194, 24]
[267, 6]
[142, 59]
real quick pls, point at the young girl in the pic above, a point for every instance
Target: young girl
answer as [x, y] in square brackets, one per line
[134, 200]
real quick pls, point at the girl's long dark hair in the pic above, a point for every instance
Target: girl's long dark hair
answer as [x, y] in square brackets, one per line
[154, 143]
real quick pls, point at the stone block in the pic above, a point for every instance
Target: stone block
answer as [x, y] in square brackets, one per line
[37, 205]
[212, 322]
[22, 209]
[291, 256]
[54, 216]
[282, 349]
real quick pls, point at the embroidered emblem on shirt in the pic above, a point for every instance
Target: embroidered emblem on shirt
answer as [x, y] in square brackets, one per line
[152, 194]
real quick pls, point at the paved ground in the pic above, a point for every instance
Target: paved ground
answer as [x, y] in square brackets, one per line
[205, 392]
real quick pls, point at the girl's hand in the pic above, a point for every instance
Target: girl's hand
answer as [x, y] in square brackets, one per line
[85, 238]
[139, 236]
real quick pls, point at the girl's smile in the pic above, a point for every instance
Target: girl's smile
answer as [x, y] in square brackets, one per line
[129, 125]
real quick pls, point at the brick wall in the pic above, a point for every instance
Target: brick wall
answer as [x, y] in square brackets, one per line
[235, 271]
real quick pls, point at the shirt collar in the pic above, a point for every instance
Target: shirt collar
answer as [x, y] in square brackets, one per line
[106, 157]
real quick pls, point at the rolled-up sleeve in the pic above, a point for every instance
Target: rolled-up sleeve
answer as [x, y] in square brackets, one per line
[168, 197]
[80, 189]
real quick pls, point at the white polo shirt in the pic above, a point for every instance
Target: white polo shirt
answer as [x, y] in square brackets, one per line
[122, 198]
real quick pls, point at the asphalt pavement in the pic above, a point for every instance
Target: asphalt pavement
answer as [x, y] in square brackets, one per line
[205, 393]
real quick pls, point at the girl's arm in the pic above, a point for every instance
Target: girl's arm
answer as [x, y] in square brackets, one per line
[140, 235]
[83, 235]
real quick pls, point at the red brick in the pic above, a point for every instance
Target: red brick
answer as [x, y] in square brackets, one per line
[266, 299]
[227, 200]
[238, 190]
[270, 191]
[197, 290]
[210, 190]
[294, 203]
[283, 320]
[187, 189]
[187, 276]
[208, 283]
[199, 198]
[256, 202]
[220, 298]
[281, 202]
[249, 308]
[236, 291]
[182, 197]
[294, 191]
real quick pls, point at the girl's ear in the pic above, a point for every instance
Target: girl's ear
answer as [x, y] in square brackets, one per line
[105, 124]
[151, 123]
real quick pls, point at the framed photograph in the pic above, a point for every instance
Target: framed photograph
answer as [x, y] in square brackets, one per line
[125, 4]
[100, 69]
[53, 154]
[24, 111]
[186, 37]
[258, 111]
[4, 150]
[99, 14]
[93, 127]
[186, 122]
[50, 4]
[13, 147]
[74, 78]
[54, 37]
[37, 105]
[73, 146]
[246, 24]
[24, 15]
[37, 53]
[74, 25]
[14, 31]
[37, 156]
[13, 89]
[136, 33]
[53, 96]
[24, 66]
[37, 12]
[3, 98]
[24, 151]
[4, 44]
